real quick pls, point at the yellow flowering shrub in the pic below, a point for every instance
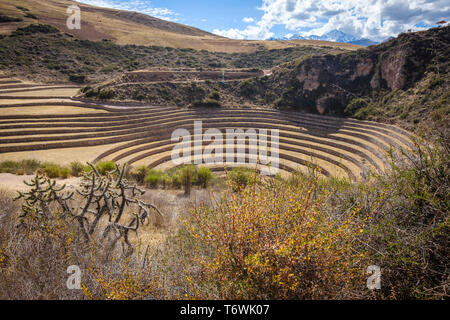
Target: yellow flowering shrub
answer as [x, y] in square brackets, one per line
[127, 284]
[279, 241]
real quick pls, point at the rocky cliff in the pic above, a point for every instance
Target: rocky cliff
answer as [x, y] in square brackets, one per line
[327, 84]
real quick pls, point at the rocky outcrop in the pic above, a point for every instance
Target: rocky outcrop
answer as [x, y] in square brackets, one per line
[326, 84]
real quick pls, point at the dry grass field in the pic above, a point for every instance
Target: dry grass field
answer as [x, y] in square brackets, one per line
[124, 27]
[35, 125]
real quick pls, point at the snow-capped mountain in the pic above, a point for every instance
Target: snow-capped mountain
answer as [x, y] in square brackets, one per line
[335, 36]
[338, 36]
[295, 37]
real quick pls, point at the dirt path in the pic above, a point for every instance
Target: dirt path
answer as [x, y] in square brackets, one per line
[12, 182]
[179, 81]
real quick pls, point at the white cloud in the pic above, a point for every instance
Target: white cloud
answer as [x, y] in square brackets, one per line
[374, 19]
[248, 20]
[251, 32]
[142, 6]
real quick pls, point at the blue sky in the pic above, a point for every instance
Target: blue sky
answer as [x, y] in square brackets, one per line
[262, 19]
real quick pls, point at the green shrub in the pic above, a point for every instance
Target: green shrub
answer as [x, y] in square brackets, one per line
[52, 170]
[105, 166]
[247, 87]
[204, 176]
[363, 113]
[77, 78]
[64, 173]
[410, 234]
[138, 95]
[138, 174]
[215, 95]
[85, 89]
[209, 103]
[31, 16]
[166, 180]
[106, 94]
[90, 93]
[8, 166]
[296, 178]
[76, 168]
[175, 180]
[108, 69]
[22, 8]
[153, 178]
[35, 28]
[19, 167]
[4, 18]
[355, 105]
[172, 178]
[30, 166]
[240, 178]
[187, 177]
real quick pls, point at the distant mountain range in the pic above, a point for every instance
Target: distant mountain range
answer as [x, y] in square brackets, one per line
[334, 36]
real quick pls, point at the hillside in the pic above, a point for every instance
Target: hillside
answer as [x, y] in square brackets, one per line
[404, 80]
[131, 28]
[42, 53]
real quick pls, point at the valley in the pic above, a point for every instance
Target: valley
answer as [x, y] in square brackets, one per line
[45, 127]
[170, 163]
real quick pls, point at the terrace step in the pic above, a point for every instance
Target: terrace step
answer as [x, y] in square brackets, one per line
[164, 132]
[296, 122]
[149, 113]
[163, 128]
[9, 81]
[301, 120]
[297, 152]
[142, 134]
[288, 163]
[32, 88]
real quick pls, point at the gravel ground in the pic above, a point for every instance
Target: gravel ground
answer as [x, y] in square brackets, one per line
[12, 182]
